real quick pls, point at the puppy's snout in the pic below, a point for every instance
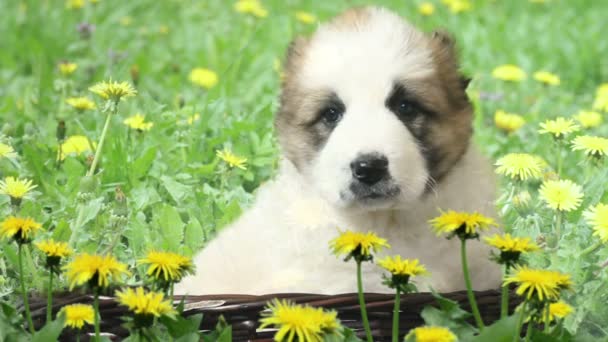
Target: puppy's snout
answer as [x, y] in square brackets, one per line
[369, 168]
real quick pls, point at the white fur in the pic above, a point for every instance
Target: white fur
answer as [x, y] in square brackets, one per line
[281, 243]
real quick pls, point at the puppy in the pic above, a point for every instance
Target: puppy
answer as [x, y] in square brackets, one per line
[375, 129]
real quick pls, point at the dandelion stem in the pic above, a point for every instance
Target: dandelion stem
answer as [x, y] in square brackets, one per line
[558, 227]
[504, 298]
[396, 316]
[171, 292]
[591, 249]
[467, 280]
[26, 303]
[520, 322]
[96, 321]
[368, 331]
[528, 333]
[49, 299]
[102, 139]
[91, 171]
[547, 315]
[559, 158]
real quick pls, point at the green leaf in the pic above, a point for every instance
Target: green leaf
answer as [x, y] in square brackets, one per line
[171, 227]
[51, 331]
[181, 327]
[222, 332]
[194, 236]
[177, 190]
[142, 164]
[91, 210]
[449, 315]
[501, 331]
[11, 325]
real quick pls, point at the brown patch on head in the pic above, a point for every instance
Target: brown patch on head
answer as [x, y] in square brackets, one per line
[443, 125]
[449, 136]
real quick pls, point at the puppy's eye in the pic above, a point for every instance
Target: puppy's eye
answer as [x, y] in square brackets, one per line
[331, 115]
[406, 108]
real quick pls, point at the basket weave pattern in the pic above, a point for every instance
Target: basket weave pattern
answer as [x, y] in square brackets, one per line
[243, 311]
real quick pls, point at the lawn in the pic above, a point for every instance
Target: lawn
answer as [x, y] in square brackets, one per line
[162, 186]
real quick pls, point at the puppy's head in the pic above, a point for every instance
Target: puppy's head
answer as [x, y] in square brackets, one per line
[373, 111]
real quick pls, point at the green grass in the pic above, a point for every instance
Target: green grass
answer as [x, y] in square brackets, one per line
[179, 195]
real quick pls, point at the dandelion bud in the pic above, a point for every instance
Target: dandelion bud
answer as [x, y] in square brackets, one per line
[88, 184]
[61, 130]
[134, 71]
[521, 202]
[120, 207]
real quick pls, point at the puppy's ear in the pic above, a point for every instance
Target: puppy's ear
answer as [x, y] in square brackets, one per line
[445, 47]
[295, 53]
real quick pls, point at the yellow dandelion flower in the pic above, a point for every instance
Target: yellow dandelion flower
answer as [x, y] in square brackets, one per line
[6, 151]
[430, 334]
[558, 127]
[351, 243]
[465, 225]
[144, 303]
[81, 103]
[305, 17]
[509, 72]
[546, 78]
[426, 8]
[253, 7]
[559, 310]
[507, 243]
[19, 228]
[562, 195]
[538, 284]
[77, 315]
[520, 166]
[16, 188]
[137, 122]
[112, 90]
[232, 160]
[597, 217]
[203, 78]
[74, 4]
[402, 267]
[67, 68]
[510, 248]
[75, 145]
[299, 323]
[457, 6]
[589, 119]
[592, 146]
[97, 270]
[508, 122]
[165, 266]
[601, 98]
[54, 249]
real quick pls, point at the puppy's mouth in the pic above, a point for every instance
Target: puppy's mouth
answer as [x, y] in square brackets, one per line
[365, 194]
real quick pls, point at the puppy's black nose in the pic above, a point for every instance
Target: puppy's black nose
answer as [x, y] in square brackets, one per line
[369, 168]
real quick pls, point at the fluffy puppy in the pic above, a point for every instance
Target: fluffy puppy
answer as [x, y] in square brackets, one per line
[375, 130]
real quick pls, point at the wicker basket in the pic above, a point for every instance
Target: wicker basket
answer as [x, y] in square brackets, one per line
[243, 311]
